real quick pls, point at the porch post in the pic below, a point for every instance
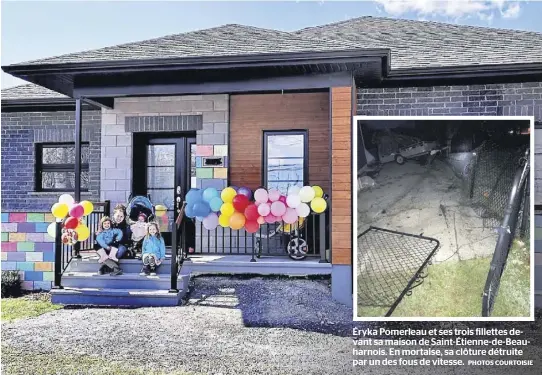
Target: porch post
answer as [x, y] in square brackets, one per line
[77, 182]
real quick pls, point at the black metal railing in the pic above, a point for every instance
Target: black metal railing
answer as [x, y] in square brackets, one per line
[65, 253]
[310, 238]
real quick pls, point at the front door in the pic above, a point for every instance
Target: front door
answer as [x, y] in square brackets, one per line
[164, 170]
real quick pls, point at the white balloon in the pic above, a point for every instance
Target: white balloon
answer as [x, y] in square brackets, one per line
[306, 194]
[51, 230]
[66, 198]
[293, 201]
[293, 190]
[303, 210]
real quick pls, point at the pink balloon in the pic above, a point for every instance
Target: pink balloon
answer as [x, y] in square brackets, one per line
[282, 199]
[274, 195]
[290, 216]
[77, 211]
[261, 220]
[264, 209]
[270, 219]
[261, 195]
[278, 208]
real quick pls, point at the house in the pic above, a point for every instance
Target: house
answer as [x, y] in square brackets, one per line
[221, 96]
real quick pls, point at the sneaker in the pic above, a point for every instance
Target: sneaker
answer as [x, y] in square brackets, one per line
[101, 271]
[153, 271]
[117, 271]
[143, 271]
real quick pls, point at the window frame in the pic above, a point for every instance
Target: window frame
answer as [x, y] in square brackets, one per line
[265, 159]
[40, 167]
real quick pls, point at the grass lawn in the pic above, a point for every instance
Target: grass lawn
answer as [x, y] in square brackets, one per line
[454, 289]
[27, 363]
[26, 307]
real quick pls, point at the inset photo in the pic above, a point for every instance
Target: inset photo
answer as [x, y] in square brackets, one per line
[443, 218]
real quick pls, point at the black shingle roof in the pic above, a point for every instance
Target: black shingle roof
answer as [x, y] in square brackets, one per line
[29, 91]
[421, 44]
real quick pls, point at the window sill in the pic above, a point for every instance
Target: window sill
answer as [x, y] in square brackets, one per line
[54, 193]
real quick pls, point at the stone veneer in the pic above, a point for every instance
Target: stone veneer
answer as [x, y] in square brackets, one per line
[162, 115]
[28, 248]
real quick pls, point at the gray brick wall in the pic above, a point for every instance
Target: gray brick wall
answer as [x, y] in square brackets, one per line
[20, 132]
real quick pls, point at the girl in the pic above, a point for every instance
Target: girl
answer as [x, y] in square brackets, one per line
[119, 222]
[107, 238]
[154, 250]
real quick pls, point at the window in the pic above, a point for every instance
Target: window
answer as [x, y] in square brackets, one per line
[55, 165]
[285, 159]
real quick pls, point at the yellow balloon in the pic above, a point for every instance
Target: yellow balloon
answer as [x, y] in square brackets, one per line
[82, 232]
[59, 210]
[88, 207]
[224, 221]
[318, 192]
[237, 221]
[318, 205]
[160, 210]
[228, 194]
[227, 209]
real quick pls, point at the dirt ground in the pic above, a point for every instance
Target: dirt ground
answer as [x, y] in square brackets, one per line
[416, 199]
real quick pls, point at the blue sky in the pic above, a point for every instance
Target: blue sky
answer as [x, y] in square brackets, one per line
[32, 30]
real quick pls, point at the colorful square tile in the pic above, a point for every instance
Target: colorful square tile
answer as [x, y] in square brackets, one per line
[48, 238]
[41, 227]
[25, 266]
[26, 227]
[48, 276]
[17, 237]
[43, 285]
[34, 257]
[198, 161]
[25, 246]
[35, 218]
[4, 256]
[8, 266]
[16, 256]
[220, 173]
[204, 172]
[221, 150]
[9, 227]
[48, 218]
[33, 275]
[35, 237]
[17, 217]
[49, 257]
[43, 266]
[204, 150]
[9, 246]
[27, 285]
[48, 247]
[5, 236]
[5, 217]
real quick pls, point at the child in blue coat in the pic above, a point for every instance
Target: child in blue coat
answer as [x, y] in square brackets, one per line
[153, 250]
[108, 239]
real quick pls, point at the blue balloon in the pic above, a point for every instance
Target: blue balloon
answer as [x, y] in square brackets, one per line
[199, 218]
[189, 211]
[209, 194]
[234, 188]
[245, 191]
[215, 204]
[202, 209]
[193, 196]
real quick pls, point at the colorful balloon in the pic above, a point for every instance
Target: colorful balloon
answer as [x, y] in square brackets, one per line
[306, 194]
[202, 208]
[293, 190]
[59, 210]
[82, 232]
[227, 209]
[240, 202]
[51, 230]
[69, 236]
[303, 210]
[160, 210]
[260, 220]
[290, 216]
[88, 207]
[261, 196]
[318, 192]
[228, 194]
[224, 221]
[318, 205]
[209, 194]
[237, 221]
[270, 219]
[245, 191]
[282, 199]
[77, 211]
[66, 198]
[264, 209]
[189, 211]
[278, 208]
[211, 221]
[251, 212]
[215, 204]
[193, 196]
[252, 226]
[71, 223]
[274, 195]
[293, 201]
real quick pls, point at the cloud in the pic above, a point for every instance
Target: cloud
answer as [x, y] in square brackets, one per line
[455, 9]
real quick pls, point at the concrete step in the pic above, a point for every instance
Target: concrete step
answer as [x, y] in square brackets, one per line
[220, 266]
[116, 297]
[124, 281]
[127, 265]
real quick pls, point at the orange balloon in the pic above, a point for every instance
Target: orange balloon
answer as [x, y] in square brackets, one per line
[237, 221]
[261, 220]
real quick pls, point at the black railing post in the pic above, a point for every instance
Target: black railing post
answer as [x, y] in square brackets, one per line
[322, 244]
[58, 257]
[174, 264]
[107, 208]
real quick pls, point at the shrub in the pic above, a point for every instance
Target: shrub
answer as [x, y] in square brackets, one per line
[11, 284]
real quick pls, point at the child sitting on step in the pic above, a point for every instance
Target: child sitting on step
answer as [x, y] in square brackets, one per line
[153, 251]
[108, 239]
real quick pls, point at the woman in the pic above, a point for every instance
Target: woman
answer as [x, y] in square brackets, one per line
[119, 222]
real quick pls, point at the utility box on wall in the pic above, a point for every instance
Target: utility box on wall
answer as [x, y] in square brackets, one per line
[212, 162]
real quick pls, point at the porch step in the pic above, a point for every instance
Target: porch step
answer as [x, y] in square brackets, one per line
[128, 265]
[125, 281]
[116, 297]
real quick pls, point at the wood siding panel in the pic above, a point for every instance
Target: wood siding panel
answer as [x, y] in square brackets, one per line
[341, 193]
[251, 114]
